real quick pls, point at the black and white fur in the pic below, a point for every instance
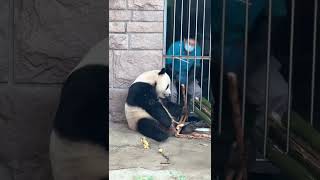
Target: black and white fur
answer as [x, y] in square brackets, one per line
[78, 144]
[144, 109]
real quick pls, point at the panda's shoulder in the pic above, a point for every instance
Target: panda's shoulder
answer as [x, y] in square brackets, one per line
[141, 92]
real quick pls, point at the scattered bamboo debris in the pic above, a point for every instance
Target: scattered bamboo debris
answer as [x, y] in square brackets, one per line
[183, 119]
[145, 143]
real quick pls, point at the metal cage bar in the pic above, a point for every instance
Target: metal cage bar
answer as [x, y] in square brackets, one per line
[222, 64]
[245, 65]
[187, 15]
[290, 75]
[181, 28]
[188, 53]
[202, 52]
[173, 40]
[267, 82]
[313, 59]
[195, 59]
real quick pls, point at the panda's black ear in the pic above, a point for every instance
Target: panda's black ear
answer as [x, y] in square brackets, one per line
[163, 70]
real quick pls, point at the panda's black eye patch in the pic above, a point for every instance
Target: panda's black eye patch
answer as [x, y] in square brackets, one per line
[167, 87]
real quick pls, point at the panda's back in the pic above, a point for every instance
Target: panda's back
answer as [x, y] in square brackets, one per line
[82, 114]
[134, 114]
[140, 93]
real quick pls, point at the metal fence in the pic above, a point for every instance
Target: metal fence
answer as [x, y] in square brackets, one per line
[178, 11]
[291, 11]
[180, 17]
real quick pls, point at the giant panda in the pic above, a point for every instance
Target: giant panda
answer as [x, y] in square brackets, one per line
[147, 108]
[78, 144]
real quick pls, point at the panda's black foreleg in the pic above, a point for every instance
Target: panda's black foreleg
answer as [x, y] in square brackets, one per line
[150, 128]
[157, 111]
[174, 109]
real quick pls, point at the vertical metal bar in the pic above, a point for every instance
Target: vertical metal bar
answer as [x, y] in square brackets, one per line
[244, 88]
[201, 85]
[11, 43]
[195, 63]
[187, 85]
[209, 65]
[222, 62]
[164, 32]
[267, 83]
[181, 18]
[202, 52]
[290, 73]
[314, 58]
[173, 43]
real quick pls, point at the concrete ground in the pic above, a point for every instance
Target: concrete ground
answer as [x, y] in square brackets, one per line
[189, 159]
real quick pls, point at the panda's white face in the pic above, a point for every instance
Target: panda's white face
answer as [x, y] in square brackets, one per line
[163, 86]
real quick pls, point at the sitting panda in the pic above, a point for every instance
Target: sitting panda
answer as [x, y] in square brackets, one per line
[78, 144]
[147, 108]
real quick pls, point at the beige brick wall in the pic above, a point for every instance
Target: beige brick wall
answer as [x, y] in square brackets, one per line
[135, 45]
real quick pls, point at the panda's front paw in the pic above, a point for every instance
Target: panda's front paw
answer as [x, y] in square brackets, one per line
[172, 130]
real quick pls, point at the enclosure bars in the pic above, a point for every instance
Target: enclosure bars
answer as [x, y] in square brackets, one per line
[245, 55]
[165, 16]
[202, 52]
[267, 83]
[194, 64]
[195, 57]
[188, 53]
[181, 28]
[173, 39]
[290, 74]
[313, 59]
[221, 65]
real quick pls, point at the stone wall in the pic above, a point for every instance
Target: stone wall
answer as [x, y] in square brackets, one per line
[135, 46]
[45, 39]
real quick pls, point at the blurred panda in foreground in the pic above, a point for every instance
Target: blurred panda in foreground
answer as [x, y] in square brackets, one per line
[78, 145]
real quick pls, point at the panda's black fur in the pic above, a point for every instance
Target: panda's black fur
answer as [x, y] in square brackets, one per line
[82, 111]
[144, 96]
[78, 142]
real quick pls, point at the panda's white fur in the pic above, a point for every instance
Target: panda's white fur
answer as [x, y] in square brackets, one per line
[81, 160]
[152, 77]
[134, 113]
[149, 86]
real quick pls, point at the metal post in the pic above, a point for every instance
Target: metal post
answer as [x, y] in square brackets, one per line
[173, 42]
[267, 82]
[314, 58]
[209, 65]
[164, 33]
[290, 74]
[181, 28]
[221, 67]
[195, 63]
[187, 85]
[202, 52]
[245, 65]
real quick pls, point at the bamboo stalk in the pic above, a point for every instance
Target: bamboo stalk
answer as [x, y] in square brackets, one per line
[204, 109]
[305, 130]
[288, 166]
[202, 115]
[205, 102]
[299, 150]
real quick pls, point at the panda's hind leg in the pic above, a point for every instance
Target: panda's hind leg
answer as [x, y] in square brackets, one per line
[150, 128]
